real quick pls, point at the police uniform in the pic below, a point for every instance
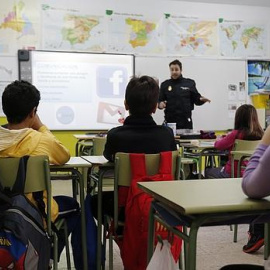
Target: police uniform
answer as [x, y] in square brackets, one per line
[181, 95]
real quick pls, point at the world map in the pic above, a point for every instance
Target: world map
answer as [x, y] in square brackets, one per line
[191, 37]
[239, 39]
[133, 34]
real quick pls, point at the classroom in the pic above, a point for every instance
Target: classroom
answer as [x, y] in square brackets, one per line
[220, 43]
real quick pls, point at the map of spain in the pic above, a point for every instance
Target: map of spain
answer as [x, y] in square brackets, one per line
[140, 32]
[78, 28]
[17, 21]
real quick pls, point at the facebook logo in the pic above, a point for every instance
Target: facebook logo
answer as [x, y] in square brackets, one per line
[111, 81]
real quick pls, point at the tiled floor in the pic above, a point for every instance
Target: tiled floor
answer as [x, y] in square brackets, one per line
[215, 247]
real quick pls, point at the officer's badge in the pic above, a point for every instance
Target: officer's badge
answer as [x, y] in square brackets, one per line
[169, 88]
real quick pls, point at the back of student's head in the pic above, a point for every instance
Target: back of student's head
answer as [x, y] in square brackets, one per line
[18, 100]
[246, 120]
[142, 95]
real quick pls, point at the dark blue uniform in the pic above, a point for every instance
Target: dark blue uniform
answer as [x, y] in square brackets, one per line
[181, 95]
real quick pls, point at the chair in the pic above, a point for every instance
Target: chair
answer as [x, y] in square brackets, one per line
[97, 150]
[241, 146]
[37, 179]
[123, 178]
[98, 146]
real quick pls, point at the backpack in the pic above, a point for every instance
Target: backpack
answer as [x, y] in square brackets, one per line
[24, 244]
[133, 251]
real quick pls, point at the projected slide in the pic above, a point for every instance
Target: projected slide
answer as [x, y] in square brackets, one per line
[79, 91]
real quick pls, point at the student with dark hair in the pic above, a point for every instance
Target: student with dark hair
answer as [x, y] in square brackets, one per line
[139, 133]
[246, 127]
[25, 134]
[178, 96]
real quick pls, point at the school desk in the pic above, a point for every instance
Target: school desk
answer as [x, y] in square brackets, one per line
[73, 166]
[104, 167]
[203, 148]
[202, 203]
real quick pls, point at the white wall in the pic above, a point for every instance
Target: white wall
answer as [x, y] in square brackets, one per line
[158, 66]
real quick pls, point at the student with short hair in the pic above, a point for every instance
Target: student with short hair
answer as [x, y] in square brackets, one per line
[25, 134]
[246, 127]
[139, 133]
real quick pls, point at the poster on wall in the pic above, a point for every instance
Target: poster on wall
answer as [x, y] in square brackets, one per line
[71, 29]
[242, 39]
[134, 33]
[258, 76]
[190, 36]
[19, 26]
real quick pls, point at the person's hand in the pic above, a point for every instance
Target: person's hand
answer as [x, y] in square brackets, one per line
[204, 99]
[162, 104]
[266, 136]
[37, 124]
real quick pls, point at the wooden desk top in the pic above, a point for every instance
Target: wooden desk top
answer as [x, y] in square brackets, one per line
[96, 160]
[84, 136]
[204, 196]
[73, 162]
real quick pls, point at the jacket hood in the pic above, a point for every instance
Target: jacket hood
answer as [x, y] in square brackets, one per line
[18, 139]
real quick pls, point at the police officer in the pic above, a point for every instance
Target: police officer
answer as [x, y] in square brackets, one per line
[178, 96]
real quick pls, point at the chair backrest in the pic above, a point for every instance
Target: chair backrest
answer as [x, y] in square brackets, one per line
[123, 169]
[122, 172]
[98, 146]
[244, 145]
[37, 176]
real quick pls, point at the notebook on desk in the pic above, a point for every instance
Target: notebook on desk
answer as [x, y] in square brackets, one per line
[188, 134]
[207, 144]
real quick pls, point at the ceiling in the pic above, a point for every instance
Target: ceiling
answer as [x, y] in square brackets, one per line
[259, 3]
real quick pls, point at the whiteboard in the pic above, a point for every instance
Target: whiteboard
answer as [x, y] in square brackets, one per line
[79, 90]
[212, 77]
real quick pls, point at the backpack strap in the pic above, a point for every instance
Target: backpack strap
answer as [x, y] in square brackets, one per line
[3, 197]
[165, 165]
[38, 197]
[18, 187]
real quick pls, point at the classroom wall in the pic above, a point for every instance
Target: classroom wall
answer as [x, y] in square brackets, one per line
[148, 8]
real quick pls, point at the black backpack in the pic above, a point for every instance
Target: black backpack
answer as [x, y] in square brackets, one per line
[24, 244]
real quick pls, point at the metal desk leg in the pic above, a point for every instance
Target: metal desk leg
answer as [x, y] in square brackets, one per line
[192, 247]
[266, 240]
[83, 227]
[200, 165]
[99, 217]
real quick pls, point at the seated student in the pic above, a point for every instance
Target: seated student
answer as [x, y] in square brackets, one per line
[26, 135]
[246, 127]
[256, 185]
[139, 133]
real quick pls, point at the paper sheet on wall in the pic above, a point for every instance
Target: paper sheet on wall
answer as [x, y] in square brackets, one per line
[232, 109]
[232, 92]
[242, 91]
